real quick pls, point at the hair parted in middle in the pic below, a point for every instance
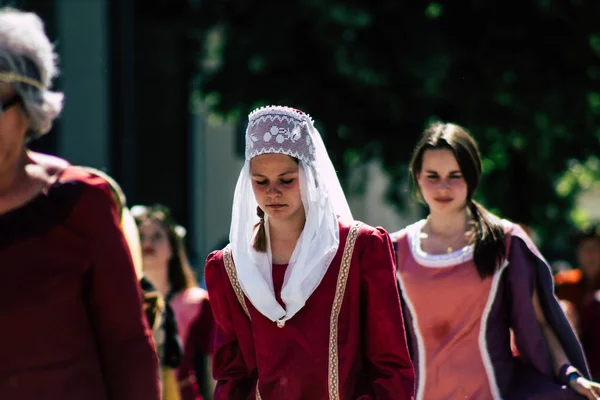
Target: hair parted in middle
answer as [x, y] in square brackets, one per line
[487, 230]
[179, 273]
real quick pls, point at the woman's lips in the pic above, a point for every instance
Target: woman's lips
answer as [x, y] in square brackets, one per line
[443, 199]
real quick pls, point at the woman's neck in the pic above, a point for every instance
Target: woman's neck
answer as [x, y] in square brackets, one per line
[13, 172]
[447, 224]
[158, 277]
[286, 230]
[284, 236]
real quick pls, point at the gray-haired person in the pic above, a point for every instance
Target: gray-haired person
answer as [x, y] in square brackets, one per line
[72, 320]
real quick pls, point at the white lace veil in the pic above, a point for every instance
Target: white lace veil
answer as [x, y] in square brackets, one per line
[285, 130]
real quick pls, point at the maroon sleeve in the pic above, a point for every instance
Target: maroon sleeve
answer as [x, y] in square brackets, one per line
[233, 380]
[204, 328]
[126, 347]
[390, 368]
[590, 335]
[199, 340]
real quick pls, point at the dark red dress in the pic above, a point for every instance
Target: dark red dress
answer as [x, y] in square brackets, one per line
[571, 286]
[365, 343]
[70, 306]
[192, 374]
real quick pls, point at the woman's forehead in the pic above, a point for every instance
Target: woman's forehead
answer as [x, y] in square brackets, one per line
[439, 158]
[273, 162]
[151, 225]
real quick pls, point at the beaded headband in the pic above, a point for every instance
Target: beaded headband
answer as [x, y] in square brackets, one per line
[11, 77]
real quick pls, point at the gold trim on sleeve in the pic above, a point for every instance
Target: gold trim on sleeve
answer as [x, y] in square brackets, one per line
[237, 288]
[333, 378]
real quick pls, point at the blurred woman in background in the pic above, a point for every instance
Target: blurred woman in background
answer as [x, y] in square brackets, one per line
[167, 268]
[579, 288]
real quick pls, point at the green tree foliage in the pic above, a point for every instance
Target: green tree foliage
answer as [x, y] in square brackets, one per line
[522, 76]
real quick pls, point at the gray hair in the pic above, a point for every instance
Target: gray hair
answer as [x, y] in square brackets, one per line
[25, 50]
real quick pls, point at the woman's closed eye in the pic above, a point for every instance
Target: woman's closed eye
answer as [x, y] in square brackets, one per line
[265, 182]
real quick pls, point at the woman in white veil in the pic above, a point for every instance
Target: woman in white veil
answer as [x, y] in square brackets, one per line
[304, 297]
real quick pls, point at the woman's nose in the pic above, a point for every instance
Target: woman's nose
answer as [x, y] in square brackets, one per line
[273, 191]
[444, 183]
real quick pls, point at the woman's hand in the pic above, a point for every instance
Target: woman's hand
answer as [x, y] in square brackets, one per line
[588, 389]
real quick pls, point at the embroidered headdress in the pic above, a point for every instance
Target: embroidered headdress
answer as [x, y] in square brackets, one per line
[280, 130]
[285, 130]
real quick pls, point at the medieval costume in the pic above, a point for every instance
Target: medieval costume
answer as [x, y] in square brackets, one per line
[326, 325]
[459, 325]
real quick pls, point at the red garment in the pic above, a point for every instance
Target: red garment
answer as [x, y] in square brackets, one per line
[202, 329]
[590, 335]
[571, 286]
[292, 362]
[72, 320]
[199, 341]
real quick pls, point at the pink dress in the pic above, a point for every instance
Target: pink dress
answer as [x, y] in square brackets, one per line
[448, 299]
[458, 325]
[186, 306]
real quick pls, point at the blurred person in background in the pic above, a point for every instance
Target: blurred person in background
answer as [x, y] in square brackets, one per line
[304, 297]
[167, 268]
[468, 279]
[590, 333]
[579, 285]
[162, 321]
[560, 266]
[579, 288]
[159, 315]
[71, 310]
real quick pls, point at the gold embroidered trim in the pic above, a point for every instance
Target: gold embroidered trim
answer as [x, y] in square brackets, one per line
[333, 378]
[237, 288]
[334, 391]
[232, 274]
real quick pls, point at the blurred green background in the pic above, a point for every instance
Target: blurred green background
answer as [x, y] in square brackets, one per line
[522, 76]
